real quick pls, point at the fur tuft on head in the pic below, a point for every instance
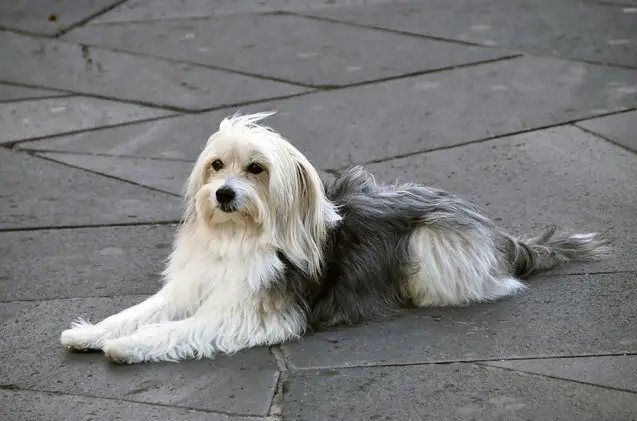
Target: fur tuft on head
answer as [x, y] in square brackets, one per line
[239, 122]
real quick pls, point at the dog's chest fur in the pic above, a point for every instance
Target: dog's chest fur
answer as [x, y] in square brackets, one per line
[229, 269]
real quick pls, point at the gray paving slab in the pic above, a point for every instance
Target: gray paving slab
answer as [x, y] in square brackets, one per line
[618, 371]
[619, 128]
[17, 93]
[40, 193]
[241, 384]
[46, 117]
[570, 29]
[143, 10]
[42, 406]
[165, 175]
[449, 392]
[558, 316]
[338, 128]
[46, 17]
[527, 182]
[97, 71]
[83, 262]
[319, 54]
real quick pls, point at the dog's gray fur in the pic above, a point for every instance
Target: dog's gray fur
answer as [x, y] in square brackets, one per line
[368, 258]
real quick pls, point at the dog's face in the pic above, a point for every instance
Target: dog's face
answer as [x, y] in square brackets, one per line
[235, 175]
[250, 176]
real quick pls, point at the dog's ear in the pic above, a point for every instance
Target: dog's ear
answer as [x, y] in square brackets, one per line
[193, 184]
[315, 214]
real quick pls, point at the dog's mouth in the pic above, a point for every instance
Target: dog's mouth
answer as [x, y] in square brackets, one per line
[227, 207]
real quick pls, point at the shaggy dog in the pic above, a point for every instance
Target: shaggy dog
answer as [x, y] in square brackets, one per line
[264, 253]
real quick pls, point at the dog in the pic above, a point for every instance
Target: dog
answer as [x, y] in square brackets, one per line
[265, 252]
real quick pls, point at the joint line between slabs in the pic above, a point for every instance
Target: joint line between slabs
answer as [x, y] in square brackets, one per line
[16, 388]
[463, 361]
[379, 28]
[330, 88]
[279, 357]
[13, 143]
[82, 226]
[139, 103]
[87, 297]
[607, 139]
[553, 377]
[104, 155]
[591, 273]
[276, 400]
[35, 98]
[112, 177]
[447, 40]
[89, 18]
[311, 87]
[508, 55]
[485, 139]
[187, 62]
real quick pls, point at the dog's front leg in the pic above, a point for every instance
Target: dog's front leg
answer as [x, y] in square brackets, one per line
[85, 336]
[203, 335]
[193, 337]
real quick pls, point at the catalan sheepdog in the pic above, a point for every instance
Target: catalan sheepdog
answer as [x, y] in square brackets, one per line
[265, 252]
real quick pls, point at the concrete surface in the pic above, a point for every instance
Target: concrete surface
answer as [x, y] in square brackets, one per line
[71, 262]
[419, 113]
[98, 71]
[37, 118]
[618, 128]
[321, 54]
[581, 30]
[43, 17]
[449, 392]
[16, 93]
[619, 372]
[40, 193]
[527, 108]
[578, 321]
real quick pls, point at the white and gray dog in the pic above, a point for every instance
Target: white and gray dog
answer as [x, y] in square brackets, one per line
[265, 252]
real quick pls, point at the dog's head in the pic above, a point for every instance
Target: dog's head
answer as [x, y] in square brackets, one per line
[251, 177]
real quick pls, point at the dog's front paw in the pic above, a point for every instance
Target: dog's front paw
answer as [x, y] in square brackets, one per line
[82, 337]
[119, 352]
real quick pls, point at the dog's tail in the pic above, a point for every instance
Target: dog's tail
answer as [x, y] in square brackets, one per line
[554, 248]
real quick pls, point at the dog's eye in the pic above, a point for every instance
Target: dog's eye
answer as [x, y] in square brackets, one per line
[254, 168]
[217, 165]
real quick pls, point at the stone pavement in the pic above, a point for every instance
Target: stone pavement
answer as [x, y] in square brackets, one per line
[526, 107]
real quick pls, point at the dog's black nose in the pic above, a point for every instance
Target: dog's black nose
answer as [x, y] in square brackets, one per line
[225, 195]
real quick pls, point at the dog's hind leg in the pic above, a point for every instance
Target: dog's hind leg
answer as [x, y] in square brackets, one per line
[455, 268]
[85, 336]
